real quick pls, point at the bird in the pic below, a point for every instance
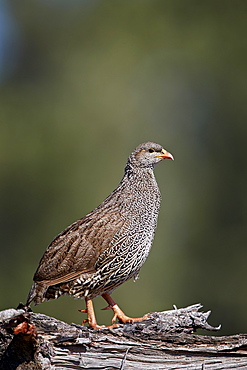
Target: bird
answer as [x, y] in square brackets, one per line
[99, 252]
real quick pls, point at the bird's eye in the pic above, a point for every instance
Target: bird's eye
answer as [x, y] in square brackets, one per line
[151, 150]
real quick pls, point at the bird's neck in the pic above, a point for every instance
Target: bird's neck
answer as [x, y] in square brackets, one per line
[140, 179]
[140, 197]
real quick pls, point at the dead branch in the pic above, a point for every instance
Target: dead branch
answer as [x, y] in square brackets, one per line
[165, 341]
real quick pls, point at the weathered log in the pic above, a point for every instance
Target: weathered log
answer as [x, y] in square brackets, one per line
[165, 341]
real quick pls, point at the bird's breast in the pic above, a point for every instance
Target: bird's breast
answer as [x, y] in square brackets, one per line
[131, 243]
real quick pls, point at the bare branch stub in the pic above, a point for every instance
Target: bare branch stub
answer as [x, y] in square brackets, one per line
[178, 321]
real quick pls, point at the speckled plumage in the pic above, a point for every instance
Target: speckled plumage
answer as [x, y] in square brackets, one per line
[108, 246]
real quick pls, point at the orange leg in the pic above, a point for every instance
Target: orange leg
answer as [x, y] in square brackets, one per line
[118, 313]
[91, 319]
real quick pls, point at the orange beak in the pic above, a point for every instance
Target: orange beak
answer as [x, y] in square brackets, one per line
[165, 154]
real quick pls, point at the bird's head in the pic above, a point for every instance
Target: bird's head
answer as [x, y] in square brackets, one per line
[147, 155]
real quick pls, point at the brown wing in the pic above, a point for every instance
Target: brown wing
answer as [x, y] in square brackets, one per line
[76, 250]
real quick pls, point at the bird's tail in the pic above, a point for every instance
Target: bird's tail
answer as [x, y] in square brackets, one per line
[36, 294]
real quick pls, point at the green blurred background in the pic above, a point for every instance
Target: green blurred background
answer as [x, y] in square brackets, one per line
[84, 82]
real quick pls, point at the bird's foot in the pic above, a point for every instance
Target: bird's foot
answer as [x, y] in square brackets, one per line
[91, 320]
[109, 307]
[86, 320]
[96, 326]
[120, 315]
[83, 311]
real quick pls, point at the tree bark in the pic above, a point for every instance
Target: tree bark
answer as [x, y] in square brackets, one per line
[165, 341]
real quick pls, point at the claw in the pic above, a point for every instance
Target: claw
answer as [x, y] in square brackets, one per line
[106, 308]
[113, 326]
[84, 321]
[114, 318]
